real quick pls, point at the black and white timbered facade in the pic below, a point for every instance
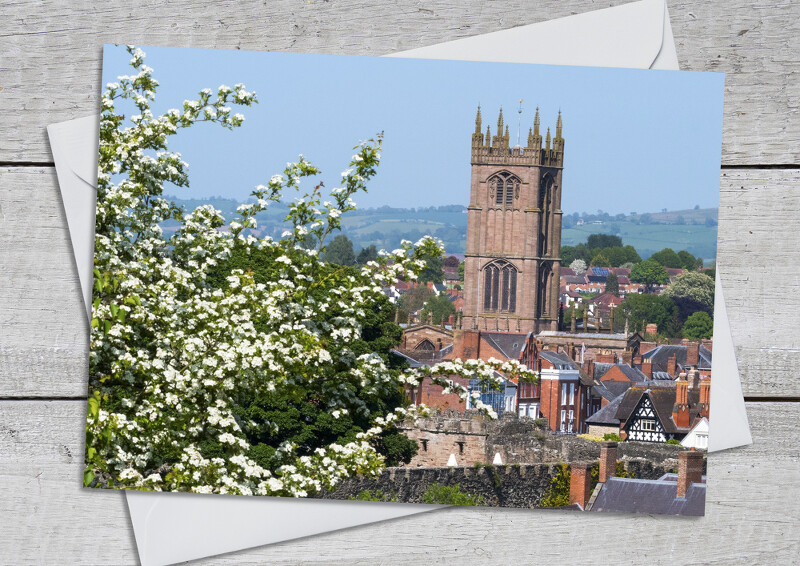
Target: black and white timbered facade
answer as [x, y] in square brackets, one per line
[644, 424]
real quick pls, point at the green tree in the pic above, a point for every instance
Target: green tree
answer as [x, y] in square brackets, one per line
[612, 284]
[433, 270]
[461, 271]
[599, 241]
[698, 326]
[650, 273]
[668, 258]
[692, 291]
[339, 251]
[657, 309]
[631, 255]
[370, 253]
[441, 308]
[414, 298]
[688, 261]
[600, 260]
[450, 495]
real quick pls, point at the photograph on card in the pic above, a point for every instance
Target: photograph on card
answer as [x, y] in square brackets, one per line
[399, 280]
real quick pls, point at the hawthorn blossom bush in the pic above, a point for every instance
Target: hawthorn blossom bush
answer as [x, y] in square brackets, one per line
[178, 341]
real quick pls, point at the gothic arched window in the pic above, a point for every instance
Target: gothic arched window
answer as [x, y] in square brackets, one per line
[500, 287]
[545, 279]
[545, 201]
[505, 188]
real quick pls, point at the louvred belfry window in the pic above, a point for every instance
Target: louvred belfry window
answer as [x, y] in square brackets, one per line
[505, 187]
[500, 287]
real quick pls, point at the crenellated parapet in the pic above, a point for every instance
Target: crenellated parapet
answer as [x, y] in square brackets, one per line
[495, 150]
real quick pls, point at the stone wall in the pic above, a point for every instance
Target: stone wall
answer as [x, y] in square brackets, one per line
[475, 440]
[521, 486]
[500, 486]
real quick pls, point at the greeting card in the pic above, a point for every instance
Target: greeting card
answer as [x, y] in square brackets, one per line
[504, 297]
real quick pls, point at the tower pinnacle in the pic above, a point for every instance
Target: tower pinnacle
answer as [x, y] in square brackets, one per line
[558, 126]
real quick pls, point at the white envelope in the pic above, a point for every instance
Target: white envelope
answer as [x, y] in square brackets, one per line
[171, 527]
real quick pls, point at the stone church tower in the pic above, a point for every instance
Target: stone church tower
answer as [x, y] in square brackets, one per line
[513, 254]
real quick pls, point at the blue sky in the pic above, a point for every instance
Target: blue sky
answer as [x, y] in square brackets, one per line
[634, 140]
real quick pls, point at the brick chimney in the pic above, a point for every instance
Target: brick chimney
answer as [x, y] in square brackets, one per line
[627, 357]
[651, 329]
[466, 344]
[690, 470]
[647, 368]
[672, 366]
[579, 483]
[604, 358]
[645, 347]
[451, 319]
[608, 460]
[680, 411]
[705, 397]
[589, 368]
[708, 344]
[692, 352]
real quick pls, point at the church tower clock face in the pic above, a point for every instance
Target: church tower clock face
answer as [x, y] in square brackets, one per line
[513, 248]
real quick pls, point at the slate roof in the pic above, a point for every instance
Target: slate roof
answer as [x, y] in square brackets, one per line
[423, 357]
[510, 345]
[607, 415]
[558, 359]
[574, 279]
[705, 358]
[624, 495]
[661, 354]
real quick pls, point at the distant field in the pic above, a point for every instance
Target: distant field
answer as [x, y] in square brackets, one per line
[385, 227]
[699, 240]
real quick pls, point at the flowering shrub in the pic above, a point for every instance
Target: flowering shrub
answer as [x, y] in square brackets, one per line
[181, 342]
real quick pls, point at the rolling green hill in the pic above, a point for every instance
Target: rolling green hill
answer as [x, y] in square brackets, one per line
[692, 230]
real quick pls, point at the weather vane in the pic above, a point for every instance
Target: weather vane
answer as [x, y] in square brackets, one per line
[519, 119]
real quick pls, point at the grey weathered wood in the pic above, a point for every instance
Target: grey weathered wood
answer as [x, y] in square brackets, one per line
[49, 71]
[751, 515]
[50, 52]
[43, 346]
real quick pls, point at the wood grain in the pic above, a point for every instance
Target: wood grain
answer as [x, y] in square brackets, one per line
[50, 71]
[749, 505]
[50, 52]
[44, 350]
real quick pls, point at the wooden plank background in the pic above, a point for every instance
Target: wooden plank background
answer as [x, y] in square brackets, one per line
[50, 71]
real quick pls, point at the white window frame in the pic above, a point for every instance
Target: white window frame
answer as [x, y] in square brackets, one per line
[563, 419]
[570, 424]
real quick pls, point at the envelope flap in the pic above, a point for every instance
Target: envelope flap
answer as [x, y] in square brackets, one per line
[628, 36]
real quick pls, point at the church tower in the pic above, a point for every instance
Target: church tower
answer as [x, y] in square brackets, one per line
[513, 254]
